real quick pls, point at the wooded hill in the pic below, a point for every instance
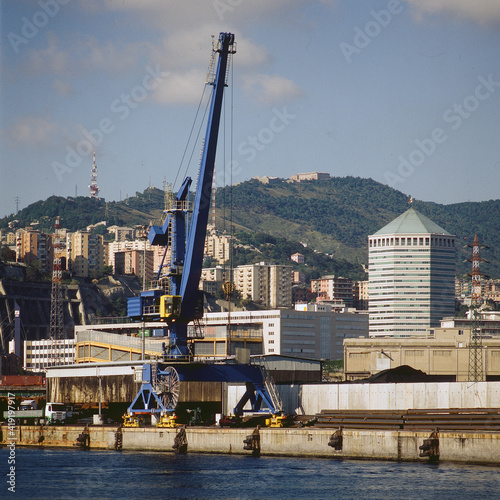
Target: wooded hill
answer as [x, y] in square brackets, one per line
[328, 221]
[336, 216]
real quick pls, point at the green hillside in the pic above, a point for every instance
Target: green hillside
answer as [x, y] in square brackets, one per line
[328, 221]
[78, 213]
[335, 216]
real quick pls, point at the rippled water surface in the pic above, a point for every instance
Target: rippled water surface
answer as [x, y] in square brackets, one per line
[78, 474]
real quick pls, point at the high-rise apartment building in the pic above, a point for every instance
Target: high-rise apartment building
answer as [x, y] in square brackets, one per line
[33, 245]
[411, 276]
[85, 253]
[333, 288]
[218, 246]
[267, 284]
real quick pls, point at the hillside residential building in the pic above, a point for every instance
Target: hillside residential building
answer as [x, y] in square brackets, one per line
[314, 332]
[33, 245]
[333, 288]
[361, 295]
[298, 277]
[218, 247]
[85, 253]
[411, 276]
[7, 238]
[298, 258]
[213, 278]
[137, 262]
[125, 257]
[490, 289]
[267, 284]
[122, 233]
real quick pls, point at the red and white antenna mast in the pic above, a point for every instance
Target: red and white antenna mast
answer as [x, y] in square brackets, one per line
[56, 301]
[94, 188]
[476, 341]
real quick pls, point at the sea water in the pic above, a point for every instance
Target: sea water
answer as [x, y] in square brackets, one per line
[42, 473]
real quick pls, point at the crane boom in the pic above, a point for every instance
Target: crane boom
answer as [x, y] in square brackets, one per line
[198, 227]
[182, 302]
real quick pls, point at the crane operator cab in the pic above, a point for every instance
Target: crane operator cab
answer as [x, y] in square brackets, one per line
[170, 307]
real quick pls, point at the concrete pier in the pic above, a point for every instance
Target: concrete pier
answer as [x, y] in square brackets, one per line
[468, 447]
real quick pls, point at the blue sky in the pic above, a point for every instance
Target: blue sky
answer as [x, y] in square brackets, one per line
[404, 92]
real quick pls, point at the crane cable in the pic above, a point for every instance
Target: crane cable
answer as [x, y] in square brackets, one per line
[191, 134]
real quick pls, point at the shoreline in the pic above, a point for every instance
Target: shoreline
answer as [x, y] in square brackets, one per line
[481, 448]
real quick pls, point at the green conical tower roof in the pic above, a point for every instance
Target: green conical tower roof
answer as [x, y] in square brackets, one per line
[412, 222]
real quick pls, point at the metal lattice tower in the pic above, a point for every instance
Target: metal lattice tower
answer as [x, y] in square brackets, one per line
[56, 302]
[476, 373]
[94, 188]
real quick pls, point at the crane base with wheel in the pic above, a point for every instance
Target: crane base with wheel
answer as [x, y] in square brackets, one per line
[159, 393]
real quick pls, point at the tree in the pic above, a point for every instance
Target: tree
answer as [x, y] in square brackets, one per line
[7, 255]
[34, 271]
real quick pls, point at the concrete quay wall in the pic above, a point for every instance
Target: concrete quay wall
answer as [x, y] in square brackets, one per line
[468, 447]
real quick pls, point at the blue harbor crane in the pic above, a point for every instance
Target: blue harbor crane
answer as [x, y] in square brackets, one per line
[175, 299]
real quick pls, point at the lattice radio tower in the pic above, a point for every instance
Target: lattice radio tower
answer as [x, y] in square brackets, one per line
[94, 188]
[476, 373]
[56, 302]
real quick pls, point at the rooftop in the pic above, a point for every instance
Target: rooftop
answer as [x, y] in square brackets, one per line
[412, 222]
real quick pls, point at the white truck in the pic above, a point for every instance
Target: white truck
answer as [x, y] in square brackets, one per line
[28, 413]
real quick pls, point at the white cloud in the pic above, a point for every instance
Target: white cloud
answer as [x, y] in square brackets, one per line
[83, 55]
[483, 11]
[271, 89]
[51, 59]
[32, 131]
[180, 88]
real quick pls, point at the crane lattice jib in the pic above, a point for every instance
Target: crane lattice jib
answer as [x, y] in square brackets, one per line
[199, 219]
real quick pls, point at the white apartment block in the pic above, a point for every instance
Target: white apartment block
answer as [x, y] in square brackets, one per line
[40, 354]
[266, 284]
[218, 246]
[314, 332]
[212, 279]
[85, 253]
[411, 276]
[122, 246]
[122, 233]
